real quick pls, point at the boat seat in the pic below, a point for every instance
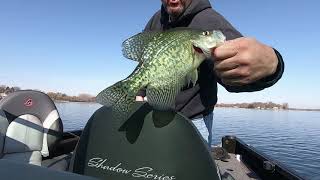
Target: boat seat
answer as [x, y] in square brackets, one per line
[148, 145]
[30, 127]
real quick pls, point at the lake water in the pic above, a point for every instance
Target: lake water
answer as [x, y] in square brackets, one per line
[291, 137]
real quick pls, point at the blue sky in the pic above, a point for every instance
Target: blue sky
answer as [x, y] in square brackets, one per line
[74, 46]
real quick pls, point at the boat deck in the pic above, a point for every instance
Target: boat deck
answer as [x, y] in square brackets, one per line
[232, 166]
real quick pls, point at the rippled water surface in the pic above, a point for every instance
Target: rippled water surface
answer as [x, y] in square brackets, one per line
[291, 137]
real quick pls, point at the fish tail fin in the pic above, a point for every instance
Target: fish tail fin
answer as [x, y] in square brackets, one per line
[119, 96]
[111, 95]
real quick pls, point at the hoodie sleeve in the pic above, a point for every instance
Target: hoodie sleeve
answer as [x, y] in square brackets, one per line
[148, 26]
[210, 19]
[153, 23]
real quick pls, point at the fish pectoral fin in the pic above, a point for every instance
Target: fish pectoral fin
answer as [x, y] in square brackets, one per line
[133, 47]
[192, 77]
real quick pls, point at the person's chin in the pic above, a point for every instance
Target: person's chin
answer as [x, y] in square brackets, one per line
[175, 10]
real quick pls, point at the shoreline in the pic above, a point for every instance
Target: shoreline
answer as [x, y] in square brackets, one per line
[273, 109]
[64, 101]
[278, 109]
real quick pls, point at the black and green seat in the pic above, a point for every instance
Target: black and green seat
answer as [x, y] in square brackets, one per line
[147, 146]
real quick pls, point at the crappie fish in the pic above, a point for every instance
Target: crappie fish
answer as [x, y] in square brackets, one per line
[168, 61]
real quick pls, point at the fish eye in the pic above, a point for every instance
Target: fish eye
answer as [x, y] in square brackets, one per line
[206, 33]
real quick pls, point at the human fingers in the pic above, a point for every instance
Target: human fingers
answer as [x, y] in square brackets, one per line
[225, 65]
[240, 73]
[226, 50]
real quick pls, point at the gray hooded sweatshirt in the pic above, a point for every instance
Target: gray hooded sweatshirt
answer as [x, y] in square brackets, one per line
[201, 98]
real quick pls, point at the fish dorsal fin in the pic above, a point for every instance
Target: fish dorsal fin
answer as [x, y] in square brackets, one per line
[133, 47]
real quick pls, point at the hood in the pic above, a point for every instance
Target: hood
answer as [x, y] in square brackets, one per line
[195, 7]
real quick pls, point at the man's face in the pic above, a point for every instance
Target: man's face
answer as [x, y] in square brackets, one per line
[175, 7]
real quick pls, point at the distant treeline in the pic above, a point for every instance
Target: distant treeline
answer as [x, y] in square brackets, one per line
[256, 105]
[56, 96]
[7, 89]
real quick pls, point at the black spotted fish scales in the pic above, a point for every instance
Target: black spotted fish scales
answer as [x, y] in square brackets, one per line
[166, 70]
[167, 62]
